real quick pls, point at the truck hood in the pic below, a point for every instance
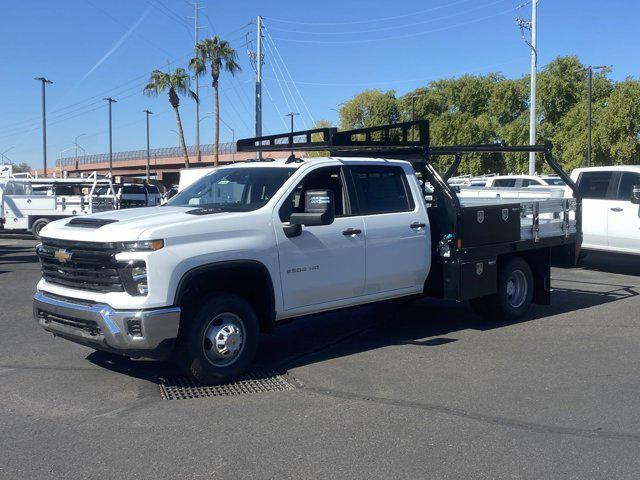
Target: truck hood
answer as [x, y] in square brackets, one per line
[119, 225]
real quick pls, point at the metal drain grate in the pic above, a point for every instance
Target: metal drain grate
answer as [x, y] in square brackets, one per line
[183, 388]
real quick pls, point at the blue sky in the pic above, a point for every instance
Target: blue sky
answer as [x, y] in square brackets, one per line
[331, 50]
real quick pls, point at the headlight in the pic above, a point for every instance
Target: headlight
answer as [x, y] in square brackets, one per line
[134, 278]
[142, 246]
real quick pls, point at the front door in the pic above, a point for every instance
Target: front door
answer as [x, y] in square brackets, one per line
[624, 216]
[325, 263]
[595, 186]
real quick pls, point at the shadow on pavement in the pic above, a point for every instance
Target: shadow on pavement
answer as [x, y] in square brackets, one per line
[425, 322]
[17, 254]
[619, 263]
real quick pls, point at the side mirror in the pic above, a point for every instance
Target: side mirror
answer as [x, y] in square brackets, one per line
[635, 195]
[319, 209]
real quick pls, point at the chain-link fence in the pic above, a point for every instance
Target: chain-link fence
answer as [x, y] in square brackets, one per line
[169, 152]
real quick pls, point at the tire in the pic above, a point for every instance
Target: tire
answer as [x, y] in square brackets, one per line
[220, 340]
[38, 225]
[514, 295]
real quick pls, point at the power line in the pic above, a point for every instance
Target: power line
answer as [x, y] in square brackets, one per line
[404, 80]
[167, 12]
[289, 74]
[398, 37]
[286, 100]
[396, 27]
[372, 20]
[142, 37]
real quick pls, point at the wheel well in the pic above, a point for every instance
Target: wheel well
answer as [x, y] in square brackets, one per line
[247, 279]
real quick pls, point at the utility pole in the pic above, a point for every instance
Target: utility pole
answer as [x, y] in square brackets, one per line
[147, 113]
[534, 73]
[110, 100]
[532, 26]
[259, 83]
[589, 71]
[291, 115]
[197, 7]
[44, 121]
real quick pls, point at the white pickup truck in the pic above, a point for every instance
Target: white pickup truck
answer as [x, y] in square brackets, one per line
[255, 243]
[611, 207]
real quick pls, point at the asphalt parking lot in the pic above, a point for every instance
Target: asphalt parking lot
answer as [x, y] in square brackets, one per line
[425, 390]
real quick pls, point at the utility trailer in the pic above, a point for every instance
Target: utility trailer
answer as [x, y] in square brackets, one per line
[472, 235]
[29, 203]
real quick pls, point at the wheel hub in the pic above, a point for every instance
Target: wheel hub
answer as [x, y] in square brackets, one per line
[223, 339]
[517, 289]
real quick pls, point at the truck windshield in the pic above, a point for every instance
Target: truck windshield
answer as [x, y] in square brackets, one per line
[233, 189]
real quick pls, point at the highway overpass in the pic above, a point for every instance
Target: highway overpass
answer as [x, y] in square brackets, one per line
[165, 163]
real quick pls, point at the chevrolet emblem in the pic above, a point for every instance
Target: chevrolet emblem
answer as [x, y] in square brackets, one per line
[62, 255]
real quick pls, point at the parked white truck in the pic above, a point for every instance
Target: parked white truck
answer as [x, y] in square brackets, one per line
[28, 203]
[256, 243]
[611, 207]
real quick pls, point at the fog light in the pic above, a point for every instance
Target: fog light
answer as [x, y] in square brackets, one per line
[134, 326]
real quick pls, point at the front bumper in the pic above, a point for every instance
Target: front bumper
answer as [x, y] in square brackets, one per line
[135, 333]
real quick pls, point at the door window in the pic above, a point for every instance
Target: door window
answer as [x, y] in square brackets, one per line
[594, 184]
[627, 182]
[505, 182]
[326, 178]
[381, 189]
[527, 182]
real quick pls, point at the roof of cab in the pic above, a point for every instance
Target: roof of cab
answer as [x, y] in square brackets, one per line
[282, 162]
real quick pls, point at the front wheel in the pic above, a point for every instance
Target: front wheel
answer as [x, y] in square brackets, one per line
[220, 341]
[514, 295]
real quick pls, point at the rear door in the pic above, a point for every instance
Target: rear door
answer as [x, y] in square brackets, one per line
[397, 232]
[623, 216]
[596, 189]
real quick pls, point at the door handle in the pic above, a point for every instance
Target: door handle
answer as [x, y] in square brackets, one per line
[352, 231]
[616, 209]
[418, 225]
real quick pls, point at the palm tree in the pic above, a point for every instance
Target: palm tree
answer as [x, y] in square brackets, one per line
[219, 55]
[176, 83]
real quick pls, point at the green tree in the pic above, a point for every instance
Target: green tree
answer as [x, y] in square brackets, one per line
[491, 108]
[216, 55]
[175, 83]
[21, 167]
[369, 109]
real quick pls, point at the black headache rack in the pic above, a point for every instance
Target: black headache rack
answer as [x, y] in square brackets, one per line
[462, 236]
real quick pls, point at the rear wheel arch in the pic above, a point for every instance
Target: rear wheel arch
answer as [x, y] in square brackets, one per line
[249, 279]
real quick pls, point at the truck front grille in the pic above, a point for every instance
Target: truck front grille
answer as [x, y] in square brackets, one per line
[82, 265]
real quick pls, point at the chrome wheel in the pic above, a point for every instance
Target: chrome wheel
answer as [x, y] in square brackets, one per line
[517, 289]
[223, 340]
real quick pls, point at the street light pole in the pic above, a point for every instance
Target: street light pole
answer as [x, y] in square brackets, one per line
[110, 100]
[589, 71]
[291, 115]
[75, 142]
[4, 157]
[44, 121]
[147, 113]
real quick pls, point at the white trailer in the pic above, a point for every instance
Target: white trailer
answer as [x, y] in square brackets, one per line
[28, 203]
